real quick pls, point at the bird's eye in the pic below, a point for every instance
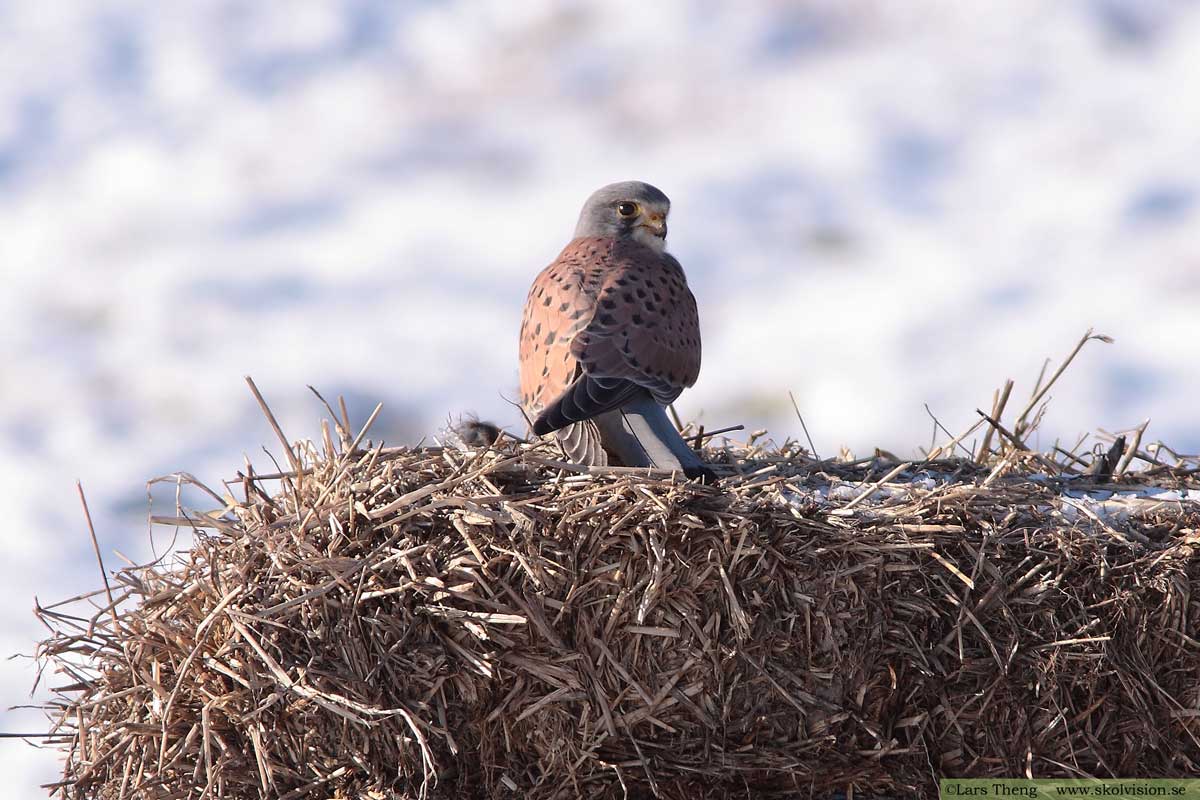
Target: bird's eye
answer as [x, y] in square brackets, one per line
[627, 209]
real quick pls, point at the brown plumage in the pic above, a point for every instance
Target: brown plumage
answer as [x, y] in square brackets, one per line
[615, 310]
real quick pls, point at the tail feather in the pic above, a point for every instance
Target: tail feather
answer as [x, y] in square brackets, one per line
[639, 434]
[635, 432]
[582, 444]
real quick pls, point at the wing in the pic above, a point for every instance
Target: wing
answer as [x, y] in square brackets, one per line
[642, 337]
[646, 329]
[561, 302]
[584, 399]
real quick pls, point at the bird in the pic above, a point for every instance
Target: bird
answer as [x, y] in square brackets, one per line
[610, 336]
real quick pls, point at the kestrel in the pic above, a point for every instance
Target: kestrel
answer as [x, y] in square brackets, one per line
[610, 336]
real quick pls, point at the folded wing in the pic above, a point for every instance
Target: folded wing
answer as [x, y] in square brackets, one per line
[643, 335]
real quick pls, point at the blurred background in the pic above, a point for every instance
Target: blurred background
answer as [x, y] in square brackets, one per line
[878, 205]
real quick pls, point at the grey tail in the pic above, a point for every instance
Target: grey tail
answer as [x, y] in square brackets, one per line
[639, 434]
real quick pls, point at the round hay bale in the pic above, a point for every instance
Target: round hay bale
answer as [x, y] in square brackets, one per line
[494, 623]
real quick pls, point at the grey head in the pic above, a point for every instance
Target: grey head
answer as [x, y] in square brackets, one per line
[626, 210]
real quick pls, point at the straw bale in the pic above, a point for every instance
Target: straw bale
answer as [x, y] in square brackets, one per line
[493, 622]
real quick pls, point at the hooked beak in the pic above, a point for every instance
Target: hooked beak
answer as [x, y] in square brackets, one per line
[657, 225]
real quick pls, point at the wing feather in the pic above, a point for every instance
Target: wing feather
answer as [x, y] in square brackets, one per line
[646, 328]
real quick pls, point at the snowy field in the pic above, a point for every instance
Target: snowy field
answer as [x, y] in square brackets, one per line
[879, 205]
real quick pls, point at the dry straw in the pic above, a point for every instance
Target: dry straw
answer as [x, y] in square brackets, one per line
[461, 622]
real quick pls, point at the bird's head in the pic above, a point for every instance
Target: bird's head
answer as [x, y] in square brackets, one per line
[626, 210]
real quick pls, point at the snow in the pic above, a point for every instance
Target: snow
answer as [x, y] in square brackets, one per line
[1107, 504]
[878, 206]
[1117, 506]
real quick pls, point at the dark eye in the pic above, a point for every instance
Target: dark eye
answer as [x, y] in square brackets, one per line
[627, 209]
